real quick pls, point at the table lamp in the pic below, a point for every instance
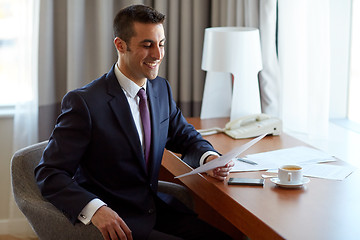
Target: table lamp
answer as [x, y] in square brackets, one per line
[232, 59]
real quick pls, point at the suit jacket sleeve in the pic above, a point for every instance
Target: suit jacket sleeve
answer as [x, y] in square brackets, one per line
[55, 176]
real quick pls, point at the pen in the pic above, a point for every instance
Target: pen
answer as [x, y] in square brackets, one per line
[245, 160]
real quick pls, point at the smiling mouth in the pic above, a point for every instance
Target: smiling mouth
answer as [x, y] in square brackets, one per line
[151, 64]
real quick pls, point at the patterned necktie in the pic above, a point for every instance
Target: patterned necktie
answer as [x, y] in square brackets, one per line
[145, 119]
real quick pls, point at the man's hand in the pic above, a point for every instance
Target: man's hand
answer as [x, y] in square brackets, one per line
[219, 173]
[111, 226]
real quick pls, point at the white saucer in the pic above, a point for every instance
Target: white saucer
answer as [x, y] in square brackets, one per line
[290, 185]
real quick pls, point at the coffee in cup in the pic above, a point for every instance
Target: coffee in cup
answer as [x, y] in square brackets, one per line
[290, 174]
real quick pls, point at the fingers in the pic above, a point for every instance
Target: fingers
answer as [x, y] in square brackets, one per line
[218, 174]
[126, 230]
[221, 173]
[111, 226]
[230, 164]
[224, 171]
[115, 230]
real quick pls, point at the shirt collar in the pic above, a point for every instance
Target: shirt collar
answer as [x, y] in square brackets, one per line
[129, 86]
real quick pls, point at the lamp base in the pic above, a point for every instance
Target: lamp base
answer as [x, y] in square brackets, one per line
[246, 94]
[217, 96]
[226, 98]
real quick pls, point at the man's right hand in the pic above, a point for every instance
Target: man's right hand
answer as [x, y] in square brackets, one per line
[111, 226]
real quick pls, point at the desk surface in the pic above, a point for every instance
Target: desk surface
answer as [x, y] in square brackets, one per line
[323, 209]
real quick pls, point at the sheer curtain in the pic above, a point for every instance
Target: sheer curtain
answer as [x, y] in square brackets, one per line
[304, 54]
[295, 80]
[26, 108]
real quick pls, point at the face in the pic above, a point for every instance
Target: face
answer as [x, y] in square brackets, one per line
[142, 56]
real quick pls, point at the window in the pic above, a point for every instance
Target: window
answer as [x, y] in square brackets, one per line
[345, 69]
[13, 31]
[345, 58]
[354, 71]
[8, 51]
[342, 138]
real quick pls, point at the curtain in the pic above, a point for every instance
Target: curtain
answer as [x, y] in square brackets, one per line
[261, 14]
[304, 55]
[185, 24]
[26, 107]
[77, 47]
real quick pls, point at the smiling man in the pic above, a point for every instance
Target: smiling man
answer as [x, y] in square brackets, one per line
[140, 57]
[102, 161]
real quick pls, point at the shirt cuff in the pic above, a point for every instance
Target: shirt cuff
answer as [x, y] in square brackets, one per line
[89, 210]
[206, 154]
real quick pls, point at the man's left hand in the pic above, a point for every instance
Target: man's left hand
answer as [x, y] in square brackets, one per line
[220, 173]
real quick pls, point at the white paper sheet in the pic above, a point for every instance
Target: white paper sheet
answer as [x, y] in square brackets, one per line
[326, 171]
[273, 159]
[224, 159]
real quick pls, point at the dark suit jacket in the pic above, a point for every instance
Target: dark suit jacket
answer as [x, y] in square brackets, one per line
[95, 151]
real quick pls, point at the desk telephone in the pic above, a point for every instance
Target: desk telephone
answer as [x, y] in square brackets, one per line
[248, 126]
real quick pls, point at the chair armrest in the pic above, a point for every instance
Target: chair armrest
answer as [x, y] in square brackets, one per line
[178, 191]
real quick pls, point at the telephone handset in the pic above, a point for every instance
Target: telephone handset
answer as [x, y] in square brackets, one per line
[248, 126]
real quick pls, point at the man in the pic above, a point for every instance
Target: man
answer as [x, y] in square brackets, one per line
[102, 163]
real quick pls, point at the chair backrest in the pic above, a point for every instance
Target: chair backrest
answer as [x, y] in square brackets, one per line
[47, 221]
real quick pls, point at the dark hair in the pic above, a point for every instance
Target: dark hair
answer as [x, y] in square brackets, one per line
[125, 18]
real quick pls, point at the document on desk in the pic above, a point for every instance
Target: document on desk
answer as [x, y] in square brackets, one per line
[273, 159]
[326, 171]
[224, 159]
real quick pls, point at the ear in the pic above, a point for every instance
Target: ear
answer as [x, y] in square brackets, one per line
[120, 44]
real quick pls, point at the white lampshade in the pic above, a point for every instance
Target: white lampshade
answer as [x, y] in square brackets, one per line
[234, 50]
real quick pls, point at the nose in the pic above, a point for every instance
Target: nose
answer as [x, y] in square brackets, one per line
[157, 52]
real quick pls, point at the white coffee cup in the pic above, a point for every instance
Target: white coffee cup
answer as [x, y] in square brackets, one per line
[290, 174]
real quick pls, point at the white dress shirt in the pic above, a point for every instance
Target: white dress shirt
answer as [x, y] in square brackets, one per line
[130, 90]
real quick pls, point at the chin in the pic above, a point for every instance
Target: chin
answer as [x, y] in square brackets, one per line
[152, 76]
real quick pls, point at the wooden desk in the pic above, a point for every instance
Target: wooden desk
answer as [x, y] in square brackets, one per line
[323, 209]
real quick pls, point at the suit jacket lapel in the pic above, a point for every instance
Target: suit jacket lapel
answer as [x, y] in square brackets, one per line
[122, 112]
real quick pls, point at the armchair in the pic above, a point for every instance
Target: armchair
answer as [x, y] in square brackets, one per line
[46, 220]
